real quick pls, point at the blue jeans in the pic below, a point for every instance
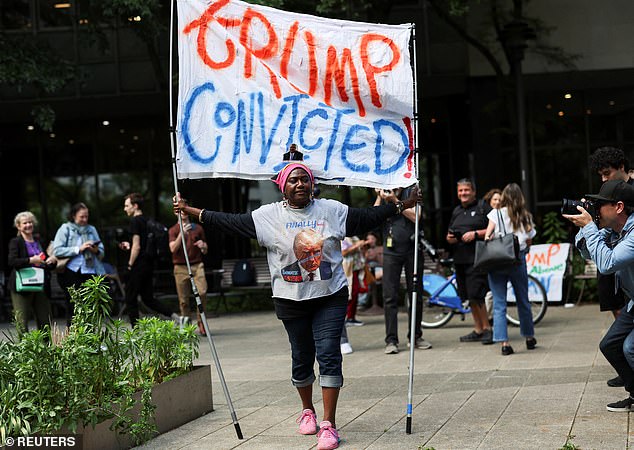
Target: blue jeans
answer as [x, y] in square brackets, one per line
[618, 346]
[498, 280]
[317, 333]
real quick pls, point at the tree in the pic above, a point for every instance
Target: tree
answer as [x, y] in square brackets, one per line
[27, 61]
[496, 38]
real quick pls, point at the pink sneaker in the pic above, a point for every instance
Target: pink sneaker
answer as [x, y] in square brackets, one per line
[307, 422]
[328, 437]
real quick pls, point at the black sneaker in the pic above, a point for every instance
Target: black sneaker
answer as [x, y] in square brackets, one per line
[487, 337]
[471, 337]
[616, 382]
[621, 406]
[507, 350]
[531, 343]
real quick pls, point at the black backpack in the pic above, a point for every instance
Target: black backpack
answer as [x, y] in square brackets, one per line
[243, 273]
[157, 244]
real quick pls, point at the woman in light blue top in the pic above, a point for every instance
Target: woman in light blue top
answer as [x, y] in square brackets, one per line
[80, 243]
[512, 217]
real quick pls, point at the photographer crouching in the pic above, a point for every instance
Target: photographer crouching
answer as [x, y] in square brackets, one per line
[606, 239]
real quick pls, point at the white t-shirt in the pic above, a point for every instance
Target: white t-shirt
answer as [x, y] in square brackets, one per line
[522, 235]
[313, 267]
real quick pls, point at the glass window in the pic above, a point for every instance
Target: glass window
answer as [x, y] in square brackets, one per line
[560, 172]
[15, 14]
[56, 13]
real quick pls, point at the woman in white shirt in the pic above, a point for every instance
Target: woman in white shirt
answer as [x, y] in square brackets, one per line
[512, 217]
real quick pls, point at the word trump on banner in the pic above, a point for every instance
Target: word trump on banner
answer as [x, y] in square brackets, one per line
[547, 263]
[253, 80]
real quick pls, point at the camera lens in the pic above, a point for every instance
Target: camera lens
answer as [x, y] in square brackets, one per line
[570, 206]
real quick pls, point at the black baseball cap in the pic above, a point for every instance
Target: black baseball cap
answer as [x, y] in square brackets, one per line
[613, 191]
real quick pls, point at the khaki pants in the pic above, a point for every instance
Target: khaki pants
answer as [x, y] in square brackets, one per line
[184, 287]
[26, 302]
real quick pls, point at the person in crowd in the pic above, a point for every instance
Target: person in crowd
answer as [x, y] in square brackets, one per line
[197, 247]
[140, 263]
[353, 264]
[611, 164]
[610, 244]
[374, 262]
[512, 217]
[25, 251]
[493, 198]
[79, 242]
[469, 222]
[312, 311]
[398, 254]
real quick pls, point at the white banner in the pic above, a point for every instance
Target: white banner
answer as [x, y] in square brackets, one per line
[547, 263]
[253, 80]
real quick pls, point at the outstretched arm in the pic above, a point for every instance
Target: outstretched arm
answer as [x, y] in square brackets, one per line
[362, 220]
[237, 224]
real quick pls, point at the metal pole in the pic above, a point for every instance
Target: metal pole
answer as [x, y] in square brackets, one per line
[199, 305]
[414, 295]
[521, 127]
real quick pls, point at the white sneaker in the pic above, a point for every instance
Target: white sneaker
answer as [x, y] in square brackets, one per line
[421, 344]
[391, 349]
[346, 348]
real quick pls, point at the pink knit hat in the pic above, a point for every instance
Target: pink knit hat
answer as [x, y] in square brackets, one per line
[283, 174]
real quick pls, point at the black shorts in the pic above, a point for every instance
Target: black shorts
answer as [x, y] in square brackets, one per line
[472, 284]
[608, 299]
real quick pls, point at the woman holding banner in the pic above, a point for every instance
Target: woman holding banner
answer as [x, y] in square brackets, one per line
[303, 236]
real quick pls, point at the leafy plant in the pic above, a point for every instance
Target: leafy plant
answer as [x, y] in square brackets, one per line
[569, 444]
[91, 372]
[553, 230]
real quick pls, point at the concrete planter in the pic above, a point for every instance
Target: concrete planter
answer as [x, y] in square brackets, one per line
[178, 401]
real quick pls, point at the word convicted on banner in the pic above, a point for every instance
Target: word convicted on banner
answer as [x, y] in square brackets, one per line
[254, 79]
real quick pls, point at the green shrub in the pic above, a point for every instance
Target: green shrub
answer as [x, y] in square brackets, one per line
[90, 372]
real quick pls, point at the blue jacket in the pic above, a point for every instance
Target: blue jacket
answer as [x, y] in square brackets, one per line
[65, 243]
[612, 252]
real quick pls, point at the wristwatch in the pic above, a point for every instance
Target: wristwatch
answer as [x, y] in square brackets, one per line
[399, 207]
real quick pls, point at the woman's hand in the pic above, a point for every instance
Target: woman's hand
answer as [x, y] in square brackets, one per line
[178, 203]
[415, 196]
[36, 260]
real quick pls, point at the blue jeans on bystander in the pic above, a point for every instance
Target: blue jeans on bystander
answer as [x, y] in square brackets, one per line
[498, 280]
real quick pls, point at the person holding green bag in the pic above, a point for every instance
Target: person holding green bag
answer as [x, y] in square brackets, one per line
[28, 263]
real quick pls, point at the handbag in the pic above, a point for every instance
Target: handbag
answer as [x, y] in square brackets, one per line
[368, 276]
[29, 279]
[60, 263]
[497, 252]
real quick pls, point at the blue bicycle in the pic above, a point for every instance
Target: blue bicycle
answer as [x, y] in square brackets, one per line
[441, 300]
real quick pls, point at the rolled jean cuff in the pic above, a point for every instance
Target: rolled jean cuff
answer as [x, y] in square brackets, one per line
[330, 381]
[303, 383]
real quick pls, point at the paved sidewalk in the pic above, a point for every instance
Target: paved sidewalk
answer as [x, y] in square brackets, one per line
[466, 395]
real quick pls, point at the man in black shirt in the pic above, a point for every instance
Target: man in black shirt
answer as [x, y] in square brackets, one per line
[140, 264]
[468, 223]
[398, 254]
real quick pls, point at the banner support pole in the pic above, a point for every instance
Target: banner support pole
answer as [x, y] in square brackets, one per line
[415, 281]
[199, 305]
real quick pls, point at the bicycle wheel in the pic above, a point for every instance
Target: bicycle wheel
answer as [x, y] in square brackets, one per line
[537, 299]
[434, 316]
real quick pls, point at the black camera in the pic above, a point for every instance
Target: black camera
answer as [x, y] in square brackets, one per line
[570, 206]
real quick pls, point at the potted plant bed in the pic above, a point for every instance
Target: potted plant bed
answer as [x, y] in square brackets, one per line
[116, 386]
